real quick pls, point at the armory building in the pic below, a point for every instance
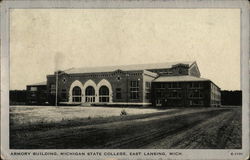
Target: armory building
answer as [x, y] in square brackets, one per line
[161, 84]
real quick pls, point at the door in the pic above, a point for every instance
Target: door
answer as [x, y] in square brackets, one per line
[158, 102]
[90, 94]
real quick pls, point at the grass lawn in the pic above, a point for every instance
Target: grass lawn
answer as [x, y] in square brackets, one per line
[33, 115]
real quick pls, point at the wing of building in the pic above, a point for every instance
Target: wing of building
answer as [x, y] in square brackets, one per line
[36, 94]
[162, 84]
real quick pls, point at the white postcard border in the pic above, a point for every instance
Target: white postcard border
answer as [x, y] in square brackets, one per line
[6, 6]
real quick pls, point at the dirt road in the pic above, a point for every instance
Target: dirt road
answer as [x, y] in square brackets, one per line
[200, 128]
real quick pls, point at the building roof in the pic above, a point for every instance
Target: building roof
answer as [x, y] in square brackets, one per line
[126, 67]
[179, 79]
[39, 84]
[150, 73]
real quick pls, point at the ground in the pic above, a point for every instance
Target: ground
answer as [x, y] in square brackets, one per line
[47, 114]
[101, 127]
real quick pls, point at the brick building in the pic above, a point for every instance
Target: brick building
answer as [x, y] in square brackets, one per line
[133, 85]
[186, 91]
[17, 97]
[36, 93]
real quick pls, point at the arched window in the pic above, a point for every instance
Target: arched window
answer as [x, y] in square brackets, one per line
[104, 94]
[90, 94]
[77, 94]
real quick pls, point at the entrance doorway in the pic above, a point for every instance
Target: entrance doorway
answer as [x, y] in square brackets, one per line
[158, 102]
[104, 94]
[90, 94]
[76, 94]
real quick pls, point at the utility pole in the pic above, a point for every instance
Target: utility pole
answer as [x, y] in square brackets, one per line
[57, 73]
[56, 86]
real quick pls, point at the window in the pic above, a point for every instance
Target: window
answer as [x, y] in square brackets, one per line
[196, 94]
[90, 91]
[148, 95]
[195, 85]
[147, 90]
[159, 93]
[196, 102]
[160, 86]
[90, 94]
[52, 88]
[118, 93]
[174, 85]
[33, 88]
[77, 94]
[118, 78]
[63, 94]
[134, 89]
[64, 80]
[104, 94]
[166, 72]
[148, 85]
[175, 95]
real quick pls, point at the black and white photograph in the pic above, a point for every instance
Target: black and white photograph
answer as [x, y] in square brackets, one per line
[117, 81]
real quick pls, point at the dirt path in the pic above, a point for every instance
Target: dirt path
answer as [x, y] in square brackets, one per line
[140, 133]
[221, 131]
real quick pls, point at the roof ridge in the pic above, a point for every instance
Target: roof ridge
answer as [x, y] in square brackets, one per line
[174, 62]
[145, 66]
[180, 78]
[39, 83]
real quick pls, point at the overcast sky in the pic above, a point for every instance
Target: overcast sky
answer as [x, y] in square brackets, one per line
[44, 40]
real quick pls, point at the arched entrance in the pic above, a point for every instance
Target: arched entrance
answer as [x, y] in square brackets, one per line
[76, 83]
[104, 91]
[76, 94]
[90, 94]
[103, 94]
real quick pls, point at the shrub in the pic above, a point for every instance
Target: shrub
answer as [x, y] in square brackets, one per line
[123, 112]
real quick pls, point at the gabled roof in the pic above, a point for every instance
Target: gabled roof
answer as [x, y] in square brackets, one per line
[132, 67]
[39, 84]
[179, 79]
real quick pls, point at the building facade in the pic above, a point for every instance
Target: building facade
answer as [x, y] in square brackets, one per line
[36, 93]
[17, 97]
[185, 91]
[131, 84]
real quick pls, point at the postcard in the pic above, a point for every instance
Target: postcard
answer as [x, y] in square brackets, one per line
[137, 80]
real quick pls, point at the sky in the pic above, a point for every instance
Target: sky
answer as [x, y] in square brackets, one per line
[45, 40]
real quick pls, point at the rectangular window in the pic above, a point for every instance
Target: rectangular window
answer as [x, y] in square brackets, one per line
[195, 85]
[63, 94]
[196, 94]
[196, 102]
[77, 99]
[104, 99]
[118, 93]
[134, 89]
[52, 88]
[175, 95]
[148, 90]
[159, 93]
[148, 85]
[148, 95]
[160, 86]
[166, 72]
[134, 83]
[174, 85]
